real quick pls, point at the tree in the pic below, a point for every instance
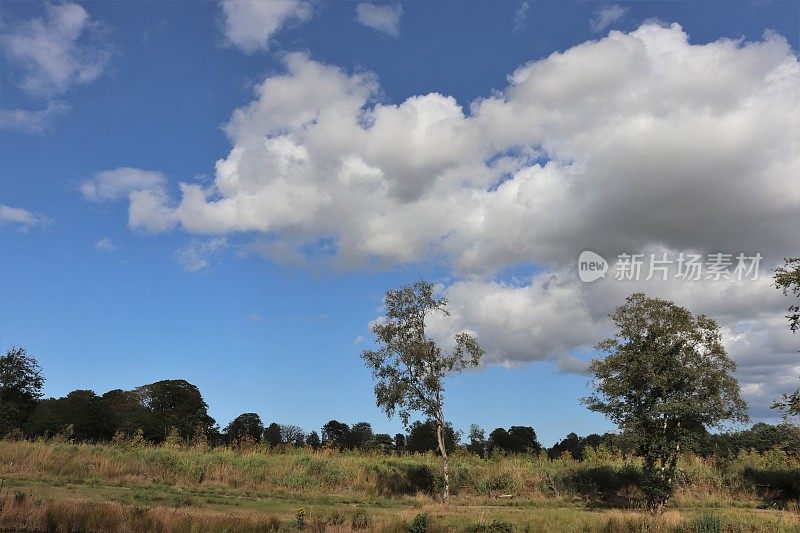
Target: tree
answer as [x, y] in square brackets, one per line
[176, 403]
[360, 435]
[518, 439]
[292, 435]
[381, 442]
[666, 377]
[272, 435]
[246, 425]
[409, 367]
[477, 441]
[83, 410]
[313, 440]
[399, 443]
[129, 414]
[21, 385]
[336, 434]
[787, 279]
[423, 437]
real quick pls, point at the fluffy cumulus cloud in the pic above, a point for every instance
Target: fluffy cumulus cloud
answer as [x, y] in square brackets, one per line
[384, 18]
[637, 141]
[251, 24]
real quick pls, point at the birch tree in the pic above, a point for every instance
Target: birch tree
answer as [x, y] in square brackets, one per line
[409, 368]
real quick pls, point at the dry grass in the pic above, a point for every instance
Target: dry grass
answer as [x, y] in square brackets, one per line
[58, 486]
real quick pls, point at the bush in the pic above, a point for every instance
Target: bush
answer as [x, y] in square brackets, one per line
[398, 478]
[360, 519]
[419, 524]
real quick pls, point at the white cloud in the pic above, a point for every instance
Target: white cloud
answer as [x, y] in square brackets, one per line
[255, 317]
[358, 340]
[251, 24]
[638, 141]
[23, 219]
[119, 183]
[26, 121]
[384, 18]
[195, 255]
[605, 16]
[57, 52]
[535, 174]
[521, 16]
[105, 245]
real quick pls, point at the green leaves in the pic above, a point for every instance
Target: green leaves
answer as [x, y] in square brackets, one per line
[408, 367]
[665, 379]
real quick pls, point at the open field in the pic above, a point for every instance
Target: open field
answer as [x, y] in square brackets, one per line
[58, 486]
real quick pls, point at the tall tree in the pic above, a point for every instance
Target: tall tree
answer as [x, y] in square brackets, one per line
[21, 385]
[409, 367]
[665, 378]
[787, 279]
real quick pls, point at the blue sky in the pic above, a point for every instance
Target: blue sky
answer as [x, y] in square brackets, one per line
[106, 301]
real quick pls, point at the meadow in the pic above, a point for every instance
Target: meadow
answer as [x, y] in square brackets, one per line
[56, 485]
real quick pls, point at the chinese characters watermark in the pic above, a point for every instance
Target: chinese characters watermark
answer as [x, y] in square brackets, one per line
[663, 266]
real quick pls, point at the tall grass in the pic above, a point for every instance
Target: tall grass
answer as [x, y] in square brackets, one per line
[77, 487]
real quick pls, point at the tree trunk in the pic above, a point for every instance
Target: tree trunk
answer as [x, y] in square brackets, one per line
[443, 451]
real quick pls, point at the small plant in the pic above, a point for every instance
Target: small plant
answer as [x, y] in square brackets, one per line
[300, 518]
[360, 519]
[419, 524]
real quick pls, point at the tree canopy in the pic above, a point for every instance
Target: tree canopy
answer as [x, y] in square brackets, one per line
[666, 378]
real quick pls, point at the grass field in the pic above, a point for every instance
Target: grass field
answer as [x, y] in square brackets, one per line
[58, 486]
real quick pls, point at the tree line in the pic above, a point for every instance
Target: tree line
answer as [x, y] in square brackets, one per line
[664, 379]
[167, 409]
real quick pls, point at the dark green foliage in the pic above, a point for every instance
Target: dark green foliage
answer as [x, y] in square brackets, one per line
[477, 441]
[760, 437]
[176, 403]
[381, 442]
[576, 445]
[360, 434]
[397, 478]
[419, 524]
[272, 435]
[246, 425]
[360, 519]
[336, 434]
[787, 279]
[87, 414]
[422, 437]
[518, 439]
[313, 440]
[777, 484]
[21, 385]
[665, 379]
[129, 414]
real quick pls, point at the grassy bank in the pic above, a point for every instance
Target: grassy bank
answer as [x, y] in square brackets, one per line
[82, 487]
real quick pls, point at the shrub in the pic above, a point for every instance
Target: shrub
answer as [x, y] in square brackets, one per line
[360, 519]
[419, 524]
